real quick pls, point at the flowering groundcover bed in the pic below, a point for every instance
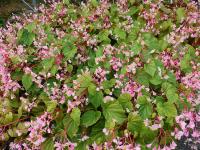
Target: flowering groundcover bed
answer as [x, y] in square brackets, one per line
[101, 75]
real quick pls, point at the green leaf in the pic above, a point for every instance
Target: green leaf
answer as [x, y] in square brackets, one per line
[180, 13]
[133, 10]
[90, 117]
[142, 77]
[107, 84]
[150, 68]
[170, 92]
[103, 36]
[135, 122]
[185, 63]
[48, 144]
[75, 115]
[72, 129]
[109, 124]
[167, 109]
[31, 26]
[26, 37]
[172, 96]
[114, 111]
[47, 64]
[125, 101]
[165, 9]
[120, 33]
[172, 78]
[51, 105]
[66, 2]
[94, 3]
[98, 127]
[27, 81]
[156, 80]
[166, 24]
[92, 89]
[12, 133]
[97, 138]
[163, 44]
[71, 122]
[146, 108]
[151, 41]
[99, 52]
[81, 146]
[136, 48]
[167, 86]
[170, 109]
[54, 70]
[15, 103]
[69, 50]
[147, 135]
[132, 35]
[95, 97]
[85, 81]
[8, 117]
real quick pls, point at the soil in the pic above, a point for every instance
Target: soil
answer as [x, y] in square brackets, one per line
[9, 7]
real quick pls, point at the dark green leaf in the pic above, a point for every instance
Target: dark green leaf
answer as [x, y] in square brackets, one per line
[114, 111]
[69, 50]
[90, 117]
[135, 123]
[146, 108]
[136, 48]
[150, 68]
[26, 37]
[75, 115]
[125, 101]
[120, 33]
[167, 109]
[156, 80]
[95, 98]
[47, 64]
[27, 81]
[133, 10]
[48, 144]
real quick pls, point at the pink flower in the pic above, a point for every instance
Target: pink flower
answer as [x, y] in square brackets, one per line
[132, 88]
[115, 63]
[182, 125]
[192, 80]
[173, 145]
[60, 146]
[178, 135]
[100, 74]
[132, 68]
[196, 134]
[155, 126]
[137, 147]
[38, 127]
[191, 125]
[166, 148]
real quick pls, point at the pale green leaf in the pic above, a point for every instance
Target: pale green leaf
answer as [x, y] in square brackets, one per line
[27, 81]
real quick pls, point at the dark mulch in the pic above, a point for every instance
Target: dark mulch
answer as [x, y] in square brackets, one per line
[183, 144]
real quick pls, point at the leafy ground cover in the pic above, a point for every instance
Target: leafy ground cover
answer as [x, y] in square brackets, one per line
[101, 75]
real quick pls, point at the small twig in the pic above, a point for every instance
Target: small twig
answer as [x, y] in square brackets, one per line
[27, 4]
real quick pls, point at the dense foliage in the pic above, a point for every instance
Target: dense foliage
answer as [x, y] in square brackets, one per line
[102, 75]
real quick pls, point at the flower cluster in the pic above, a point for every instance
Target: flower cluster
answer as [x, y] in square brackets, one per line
[38, 127]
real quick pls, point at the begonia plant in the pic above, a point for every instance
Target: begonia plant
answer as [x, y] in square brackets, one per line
[121, 75]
